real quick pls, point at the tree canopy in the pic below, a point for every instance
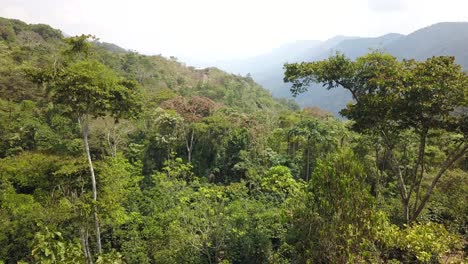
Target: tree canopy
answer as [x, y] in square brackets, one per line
[110, 156]
[392, 97]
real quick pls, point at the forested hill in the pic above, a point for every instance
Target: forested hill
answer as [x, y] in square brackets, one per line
[110, 156]
[162, 78]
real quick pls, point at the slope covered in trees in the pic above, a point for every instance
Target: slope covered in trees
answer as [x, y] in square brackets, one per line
[442, 39]
[109, 156]
[160, 78]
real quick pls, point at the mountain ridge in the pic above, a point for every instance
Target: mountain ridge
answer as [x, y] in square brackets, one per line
[440, 39]
[162, 78]
[265, 71]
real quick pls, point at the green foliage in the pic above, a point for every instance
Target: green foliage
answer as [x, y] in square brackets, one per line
[117, 179]
[395, 99]
[279, 181]
[324, 218]
[442, 208]
[89, 87]
[113, 257]
[50, 247]
[215, 170]
[176, 168]
[421, 243]
[406, 94]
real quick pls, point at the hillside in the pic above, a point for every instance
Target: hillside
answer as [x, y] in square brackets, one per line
[161, 78]
[448, 39]
[110, 156]
[439, 39]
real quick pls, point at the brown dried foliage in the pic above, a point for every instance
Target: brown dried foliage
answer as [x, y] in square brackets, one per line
[192, 109]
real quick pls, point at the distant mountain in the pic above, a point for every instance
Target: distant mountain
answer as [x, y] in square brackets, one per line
[267, 62]
[356, 47]
[449, 38]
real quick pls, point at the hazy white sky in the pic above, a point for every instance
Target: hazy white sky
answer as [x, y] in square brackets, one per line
[221, 29]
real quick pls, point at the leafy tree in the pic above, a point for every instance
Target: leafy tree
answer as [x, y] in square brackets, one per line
[391, 98]
[192, 110]
[418, 243]
[88, 89]
[279, 182]
[325, 218]
[39, 188]
[50, 247]
[313, 136]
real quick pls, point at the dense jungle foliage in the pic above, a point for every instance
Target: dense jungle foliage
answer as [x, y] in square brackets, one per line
[109, 156]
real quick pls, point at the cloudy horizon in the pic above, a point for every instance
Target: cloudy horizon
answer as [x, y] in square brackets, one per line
[212, 30]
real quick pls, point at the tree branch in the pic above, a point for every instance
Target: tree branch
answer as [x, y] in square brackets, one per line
[448, 162]
[420, 162]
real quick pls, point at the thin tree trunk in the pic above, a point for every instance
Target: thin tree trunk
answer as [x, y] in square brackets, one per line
[406, 211]
[308, 165]
[112, 145]
[379, 174]
[85, 127]
[401, 181]
[419, 163]
[419, 180]
[85, 246]
[189, 143]
[402, 186]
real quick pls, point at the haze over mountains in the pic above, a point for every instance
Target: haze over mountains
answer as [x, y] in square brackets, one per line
[448, 38]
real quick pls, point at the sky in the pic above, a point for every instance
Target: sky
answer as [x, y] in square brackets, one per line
[210, 30]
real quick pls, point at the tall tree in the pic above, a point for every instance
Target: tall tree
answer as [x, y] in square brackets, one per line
[88, 89]
[192, 110]
[394, 97]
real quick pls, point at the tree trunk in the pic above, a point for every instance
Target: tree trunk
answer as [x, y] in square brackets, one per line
[401, 185]
[112, 143]
[422, 154]
[416, 181]
[189, 143]
[85, 127]
[85, 245]
[378, 183]
[406, 211]
[395, 165]
[308, 165]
